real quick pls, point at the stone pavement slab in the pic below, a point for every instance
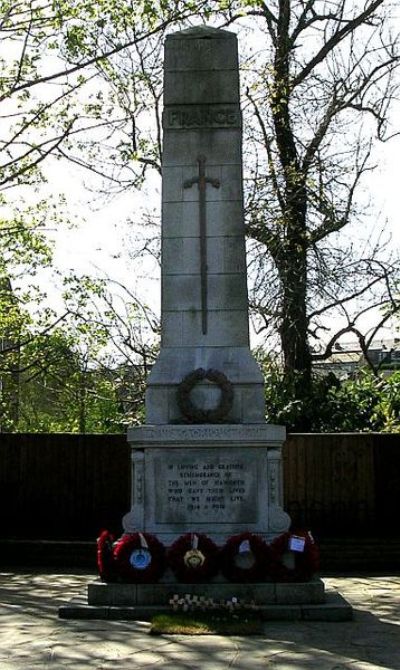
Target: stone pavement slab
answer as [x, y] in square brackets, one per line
[32, 637]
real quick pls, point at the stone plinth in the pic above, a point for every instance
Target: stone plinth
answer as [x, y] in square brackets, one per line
[274, 602]
[215, 479]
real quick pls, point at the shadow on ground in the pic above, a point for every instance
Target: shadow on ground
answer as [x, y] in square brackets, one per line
[32, 636]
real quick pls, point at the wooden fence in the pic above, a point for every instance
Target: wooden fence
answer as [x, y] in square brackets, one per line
[343, 484]
[56, 486]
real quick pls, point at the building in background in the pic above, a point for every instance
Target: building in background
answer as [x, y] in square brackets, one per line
[348, 358]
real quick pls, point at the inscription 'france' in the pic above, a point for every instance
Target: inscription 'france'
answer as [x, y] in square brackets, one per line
[204, 116]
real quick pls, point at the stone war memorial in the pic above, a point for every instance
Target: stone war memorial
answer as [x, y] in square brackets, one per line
[206, 526]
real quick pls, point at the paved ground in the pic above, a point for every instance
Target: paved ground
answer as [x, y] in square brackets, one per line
[32, 636]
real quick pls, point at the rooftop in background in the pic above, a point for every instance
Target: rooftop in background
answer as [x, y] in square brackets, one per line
[347, 357]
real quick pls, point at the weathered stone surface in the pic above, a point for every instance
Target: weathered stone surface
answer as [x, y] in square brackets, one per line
[217, 491]
[226, 328]
[221, 146]
[335, 608]
[202, 131]
[176, 362]
[201, 33]
[163, 403]
[182, 292]
[237, 363]
[225, 255]
[180, 219]
[186, 52]
[216, 479]
[229, 189]
[261, 593]
[205, 487]
[219, 115]
[209, 86]
[309, 592]
[259, 435]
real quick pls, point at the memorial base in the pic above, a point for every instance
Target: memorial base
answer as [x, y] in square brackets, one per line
[217, 479]
[273, 602]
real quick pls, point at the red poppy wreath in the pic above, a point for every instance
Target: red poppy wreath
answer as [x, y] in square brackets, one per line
[105, 557]
[193, 558]
[245, 558]
[295, 557]
[139, 558]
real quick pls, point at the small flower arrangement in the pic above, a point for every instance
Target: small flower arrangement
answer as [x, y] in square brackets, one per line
[193, 603]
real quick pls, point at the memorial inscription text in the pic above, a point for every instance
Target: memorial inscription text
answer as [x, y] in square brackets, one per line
[210, 488]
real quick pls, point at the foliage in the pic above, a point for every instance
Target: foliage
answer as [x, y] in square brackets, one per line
[83, 372]
[73, 67]
[55, 391]
[82, 81]
[61, 93]
[365, 402]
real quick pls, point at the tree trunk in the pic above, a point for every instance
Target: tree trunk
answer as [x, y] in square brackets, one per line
[291, 258]
[82, 403]
[294, 322]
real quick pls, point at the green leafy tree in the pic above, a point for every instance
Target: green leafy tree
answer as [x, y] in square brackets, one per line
[62, 77]
[86, 375]
[55, 64]
[60, 392]
[323, 86]
[23, 251]
[366, 402]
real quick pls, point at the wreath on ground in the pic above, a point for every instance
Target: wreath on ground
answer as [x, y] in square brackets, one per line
[193, 558]
[294, 566]
[196, 414]
[245, 558]
[139, 558]
[105, 557]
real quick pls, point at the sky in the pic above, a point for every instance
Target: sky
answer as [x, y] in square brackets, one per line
[102, 242]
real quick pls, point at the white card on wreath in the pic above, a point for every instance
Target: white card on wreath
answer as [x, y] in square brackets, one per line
[297, 543]
[244, 547]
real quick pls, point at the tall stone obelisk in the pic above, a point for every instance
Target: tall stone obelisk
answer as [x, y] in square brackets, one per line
[205, 461]
[204, 288]
[188, 476]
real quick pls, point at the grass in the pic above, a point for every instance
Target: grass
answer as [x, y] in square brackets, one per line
[206, 623]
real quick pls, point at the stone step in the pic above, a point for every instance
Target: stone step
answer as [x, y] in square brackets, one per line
[335, 608]
[264, 593]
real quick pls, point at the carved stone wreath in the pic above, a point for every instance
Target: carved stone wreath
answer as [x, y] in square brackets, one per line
[196, 414]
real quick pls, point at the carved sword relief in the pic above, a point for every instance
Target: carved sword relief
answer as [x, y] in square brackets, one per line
[202, 180]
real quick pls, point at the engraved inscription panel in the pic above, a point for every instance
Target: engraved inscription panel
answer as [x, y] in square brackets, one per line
[206, 486]
[202, 116]
[233, 434]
